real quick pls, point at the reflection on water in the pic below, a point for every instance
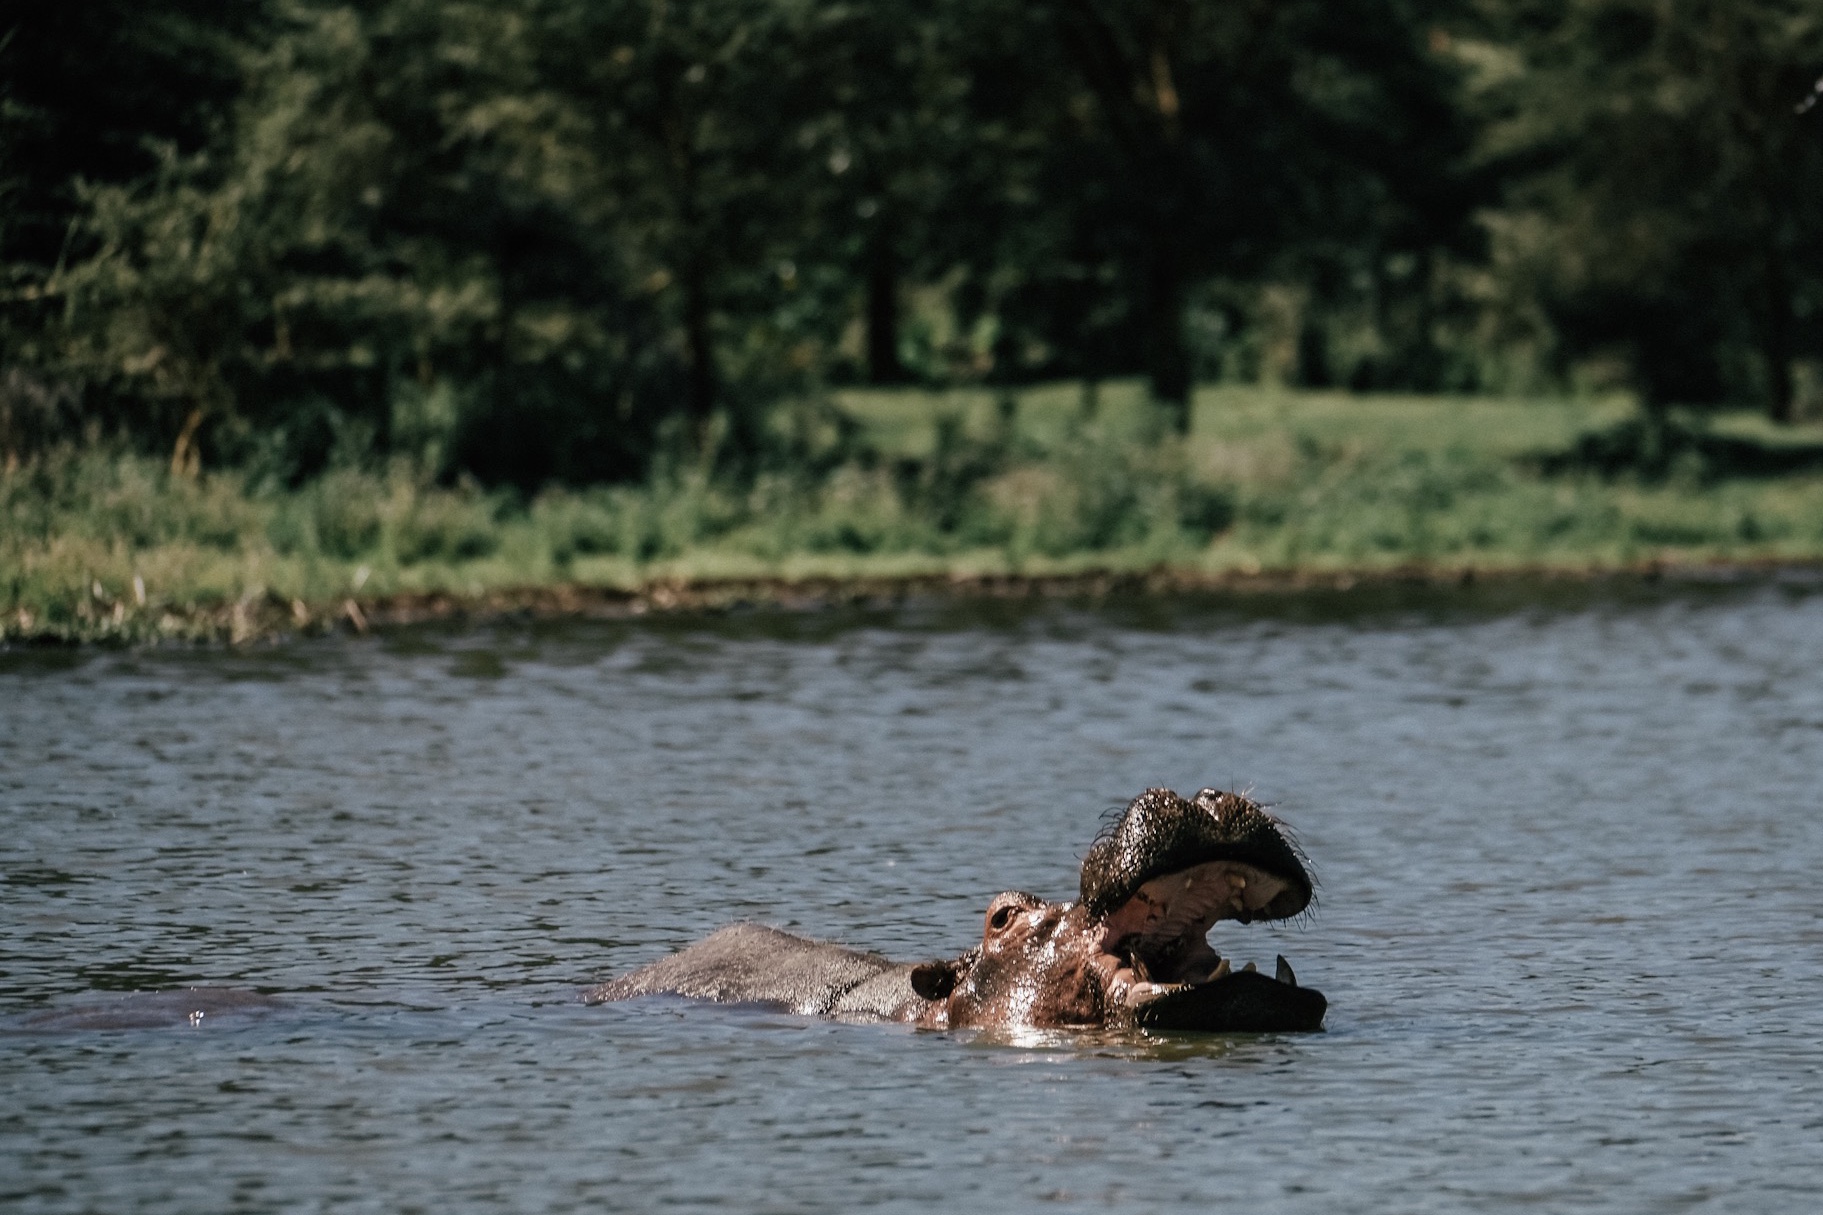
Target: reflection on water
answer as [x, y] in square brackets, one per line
[1567, 917]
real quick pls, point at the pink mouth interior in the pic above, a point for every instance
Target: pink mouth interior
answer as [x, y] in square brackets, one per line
[1157, 936]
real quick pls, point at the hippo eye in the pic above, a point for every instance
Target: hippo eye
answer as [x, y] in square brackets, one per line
[1001, 918]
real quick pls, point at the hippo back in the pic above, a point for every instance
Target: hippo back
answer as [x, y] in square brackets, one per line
[753, 964]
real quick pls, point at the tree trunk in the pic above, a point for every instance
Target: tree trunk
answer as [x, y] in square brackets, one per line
[883, 366]
[700, 352]
[1167, 359]
[1776, 342]
[186, 456]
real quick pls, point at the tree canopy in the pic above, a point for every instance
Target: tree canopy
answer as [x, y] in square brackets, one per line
[537, 240]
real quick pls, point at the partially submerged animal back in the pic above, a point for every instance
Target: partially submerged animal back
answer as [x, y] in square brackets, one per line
[753, 964]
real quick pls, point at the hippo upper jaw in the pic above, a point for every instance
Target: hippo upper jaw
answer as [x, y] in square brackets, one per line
[1163, 836]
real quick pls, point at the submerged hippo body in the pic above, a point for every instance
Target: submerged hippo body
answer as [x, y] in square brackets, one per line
[195, 1007]
[1130, 952]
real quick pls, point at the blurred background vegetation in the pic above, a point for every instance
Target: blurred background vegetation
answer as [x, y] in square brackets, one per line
[524, 252]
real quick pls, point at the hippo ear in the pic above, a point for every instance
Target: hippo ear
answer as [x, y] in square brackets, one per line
[934, 980]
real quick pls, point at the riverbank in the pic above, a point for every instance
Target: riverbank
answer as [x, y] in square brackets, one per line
[879, 495]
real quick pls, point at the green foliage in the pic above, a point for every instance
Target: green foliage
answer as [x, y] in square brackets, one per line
[253, 290]
[1664, 187]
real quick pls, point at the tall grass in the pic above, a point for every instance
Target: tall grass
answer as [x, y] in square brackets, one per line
[97, 543]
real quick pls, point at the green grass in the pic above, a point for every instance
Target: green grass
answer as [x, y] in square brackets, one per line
[888, 484]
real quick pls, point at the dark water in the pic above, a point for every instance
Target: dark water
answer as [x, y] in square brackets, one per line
[1570, 924]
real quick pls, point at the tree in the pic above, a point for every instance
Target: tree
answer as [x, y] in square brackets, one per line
[885, 109]
[1219, 140]
[1676, 193]
[237, 286]
[87, 89]
[90, 94]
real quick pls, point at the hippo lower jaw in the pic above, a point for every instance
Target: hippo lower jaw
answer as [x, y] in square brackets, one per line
[1242, 1002]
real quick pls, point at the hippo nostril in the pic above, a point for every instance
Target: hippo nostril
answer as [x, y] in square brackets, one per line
[1001, 918]
[934, 980]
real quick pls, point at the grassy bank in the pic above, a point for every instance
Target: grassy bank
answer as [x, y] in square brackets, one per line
[886, 486]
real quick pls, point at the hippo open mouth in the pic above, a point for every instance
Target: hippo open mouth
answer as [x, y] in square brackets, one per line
[1160, 877]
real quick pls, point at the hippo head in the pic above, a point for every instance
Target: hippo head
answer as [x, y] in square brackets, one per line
[1132, 951]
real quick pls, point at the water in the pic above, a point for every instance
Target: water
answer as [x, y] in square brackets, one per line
[1568, 921]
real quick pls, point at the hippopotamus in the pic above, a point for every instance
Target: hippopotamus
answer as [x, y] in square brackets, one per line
[1130, 952]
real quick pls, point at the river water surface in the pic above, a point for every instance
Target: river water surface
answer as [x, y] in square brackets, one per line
[1569, 925]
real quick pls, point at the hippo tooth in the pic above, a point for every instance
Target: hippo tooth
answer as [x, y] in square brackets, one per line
[1145, 993]
[1249, 969]
[1283, 973]
[1221, 971]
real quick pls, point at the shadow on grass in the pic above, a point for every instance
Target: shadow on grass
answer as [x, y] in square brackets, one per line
[1653, 448]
